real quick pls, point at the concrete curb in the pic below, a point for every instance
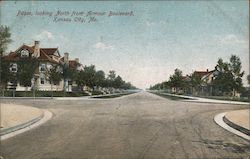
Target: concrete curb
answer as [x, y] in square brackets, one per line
[205, 100]
[4, 131]
[220, 120]
[13, 131]
[94, 97]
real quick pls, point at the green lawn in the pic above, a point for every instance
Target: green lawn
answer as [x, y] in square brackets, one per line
[44, 94]
[171, 97]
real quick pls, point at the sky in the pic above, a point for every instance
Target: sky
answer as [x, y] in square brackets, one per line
[143, 48]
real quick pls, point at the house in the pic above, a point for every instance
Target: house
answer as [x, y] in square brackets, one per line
[46, 57]
[207, 77]
[182, 89]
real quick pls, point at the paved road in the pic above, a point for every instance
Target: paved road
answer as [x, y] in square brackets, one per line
[137, 126]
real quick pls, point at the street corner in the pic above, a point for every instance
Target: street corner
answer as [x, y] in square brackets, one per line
[236, 122]
[16, 119]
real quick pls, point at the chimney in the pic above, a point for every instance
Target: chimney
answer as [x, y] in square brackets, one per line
[37, 49]
[207, 70]
[66, 58]
[77, 60]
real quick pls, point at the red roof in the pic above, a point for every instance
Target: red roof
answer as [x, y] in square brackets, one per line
[201, 73]
[49, 51]
[45, 54]
[73, 63]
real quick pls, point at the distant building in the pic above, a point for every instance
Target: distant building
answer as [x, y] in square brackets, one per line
[46, 57]
[207, 77]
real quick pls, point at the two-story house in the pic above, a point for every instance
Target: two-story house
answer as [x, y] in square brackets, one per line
[207, 77]
[46, 57]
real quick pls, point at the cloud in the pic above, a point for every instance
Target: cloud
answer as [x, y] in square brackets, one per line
[232, 39]
[45, 35]
[103, 46]
[148, 23]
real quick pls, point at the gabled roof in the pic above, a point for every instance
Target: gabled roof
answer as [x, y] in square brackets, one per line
[202, 73]
[49, 51]
[45, 54]
[73, 64]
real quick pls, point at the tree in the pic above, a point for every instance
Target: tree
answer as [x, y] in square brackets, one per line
[25, 71]
[235, 68]
[127, 85]
[5, 74]
[229, 78]
[176, 80]
[54, 75]
[223, 82]
[111, 78]
[5, 39]
[248, 79]
[118, 82]
[90, 72]
[100, 78]
[195, 82]
[68, 75]
[81, 79]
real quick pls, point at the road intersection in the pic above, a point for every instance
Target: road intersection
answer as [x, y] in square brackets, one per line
[140, 125]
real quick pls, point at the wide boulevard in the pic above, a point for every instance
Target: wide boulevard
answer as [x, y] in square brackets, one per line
[137, 126]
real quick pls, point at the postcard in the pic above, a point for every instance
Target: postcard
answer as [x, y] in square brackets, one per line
[124, 79]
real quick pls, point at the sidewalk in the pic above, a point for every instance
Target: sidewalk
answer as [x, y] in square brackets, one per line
[237, 122]
[205, 100]
[16, 117]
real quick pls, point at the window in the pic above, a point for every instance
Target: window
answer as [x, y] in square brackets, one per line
[42, 80]
[13, 67]
[42, 68]
[24, 53]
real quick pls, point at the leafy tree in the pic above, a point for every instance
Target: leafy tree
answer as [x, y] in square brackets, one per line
[54, 74]
[111, 78]
[5, 74]
[100, 78]
[118, 82]
[127, 85]
[90, 72]
[25, 71]
[112, 75]
[69, 75]
[235, 68]
[195, 82]
[81, 79]
[229, 78]
[248, 79]
[176, 80]
[5, 39]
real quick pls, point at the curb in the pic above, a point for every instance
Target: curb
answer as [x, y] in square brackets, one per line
[222, 121]
[20, 126]
[205, 100]
[235, 126]
[13, 131]
[94, 97]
